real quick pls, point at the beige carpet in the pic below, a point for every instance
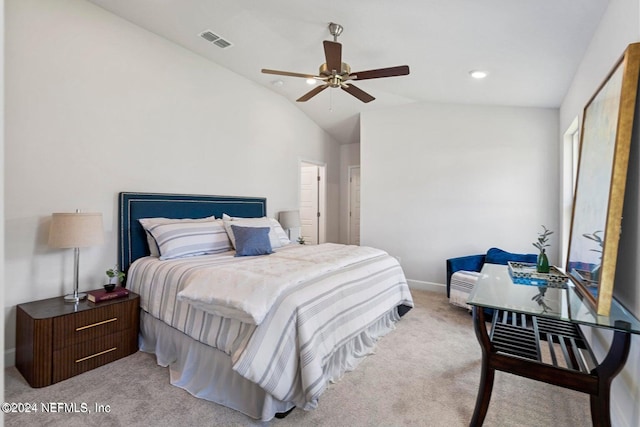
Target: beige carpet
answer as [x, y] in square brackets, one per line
[426, 373]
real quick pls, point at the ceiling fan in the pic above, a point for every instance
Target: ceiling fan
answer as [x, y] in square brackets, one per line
[335, 73]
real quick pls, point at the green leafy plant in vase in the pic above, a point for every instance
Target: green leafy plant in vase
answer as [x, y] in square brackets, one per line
[115, 276]
[542, 266]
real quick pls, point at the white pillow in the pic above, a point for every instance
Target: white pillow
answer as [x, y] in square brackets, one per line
[150, 222]
[183, 239]
[277, 236]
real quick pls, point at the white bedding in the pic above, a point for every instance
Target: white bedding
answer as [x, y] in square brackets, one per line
[309, 321]
[246, 290]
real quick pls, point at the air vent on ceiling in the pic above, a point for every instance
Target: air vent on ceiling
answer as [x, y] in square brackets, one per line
[212, 37]
[222, 43]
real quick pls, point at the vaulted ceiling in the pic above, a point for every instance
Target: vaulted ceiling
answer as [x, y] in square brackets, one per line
[529, 48]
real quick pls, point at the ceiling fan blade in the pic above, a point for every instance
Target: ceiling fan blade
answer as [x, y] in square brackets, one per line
[316, 90]
[288, 73]
[357, 92]
[401, 70]
[333, 55]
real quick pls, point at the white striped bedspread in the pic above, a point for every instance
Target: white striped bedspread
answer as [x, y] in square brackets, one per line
[285, 354]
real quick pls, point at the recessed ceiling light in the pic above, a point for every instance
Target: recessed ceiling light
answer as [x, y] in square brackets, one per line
[478, 74]
[311, 81]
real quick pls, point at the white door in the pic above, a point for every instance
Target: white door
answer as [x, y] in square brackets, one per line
[312, 203]
[309, 203]
[354, 205]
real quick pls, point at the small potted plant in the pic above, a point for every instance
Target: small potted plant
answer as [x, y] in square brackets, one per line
[115, 276]
[542, 265]
[595, 270]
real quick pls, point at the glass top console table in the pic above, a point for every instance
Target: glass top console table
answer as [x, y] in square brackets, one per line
[535, 333]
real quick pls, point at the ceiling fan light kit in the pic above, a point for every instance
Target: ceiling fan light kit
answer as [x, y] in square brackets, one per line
[337, 74]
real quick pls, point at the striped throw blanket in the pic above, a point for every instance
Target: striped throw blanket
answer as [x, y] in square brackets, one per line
[247, 291]
[287, 353]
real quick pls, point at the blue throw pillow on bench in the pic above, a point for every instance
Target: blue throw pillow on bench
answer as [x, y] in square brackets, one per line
[498, 256]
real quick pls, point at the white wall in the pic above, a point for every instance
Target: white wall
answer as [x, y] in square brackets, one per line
[2, 283]
[443, 180]
[619, 26]
[96, 105]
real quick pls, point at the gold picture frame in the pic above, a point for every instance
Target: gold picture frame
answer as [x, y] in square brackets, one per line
[605, 139]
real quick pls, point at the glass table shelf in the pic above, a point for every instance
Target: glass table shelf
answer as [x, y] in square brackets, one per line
[496, 290]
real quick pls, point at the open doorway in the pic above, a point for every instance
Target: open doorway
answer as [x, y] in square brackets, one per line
[312, 202]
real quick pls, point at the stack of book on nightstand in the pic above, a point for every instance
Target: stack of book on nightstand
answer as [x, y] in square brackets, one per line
[100, 295]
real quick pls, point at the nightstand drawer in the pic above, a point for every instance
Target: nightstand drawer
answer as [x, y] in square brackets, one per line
[90, 354]
[84, 326]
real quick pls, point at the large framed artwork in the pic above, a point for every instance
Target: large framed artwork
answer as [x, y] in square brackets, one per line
[607, 125]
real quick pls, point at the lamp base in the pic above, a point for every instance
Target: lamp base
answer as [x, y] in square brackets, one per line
[74, 298]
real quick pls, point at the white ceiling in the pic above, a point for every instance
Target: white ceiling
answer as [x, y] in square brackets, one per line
[530, 48]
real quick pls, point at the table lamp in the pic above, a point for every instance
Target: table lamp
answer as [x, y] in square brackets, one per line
[289, 220]
[76, 230]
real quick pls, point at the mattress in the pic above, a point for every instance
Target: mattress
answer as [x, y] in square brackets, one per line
[158, 283]
[289, 353]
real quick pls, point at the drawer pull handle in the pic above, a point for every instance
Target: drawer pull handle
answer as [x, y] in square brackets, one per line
[96, 324]
[96, 355]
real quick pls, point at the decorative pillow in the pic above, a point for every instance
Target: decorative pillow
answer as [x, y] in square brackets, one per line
[182, 239]
[252, 240]
[498, 256]
[150, 222]
[277, 236]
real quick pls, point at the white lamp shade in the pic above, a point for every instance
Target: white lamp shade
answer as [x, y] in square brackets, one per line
[289, 219]
[76, 230]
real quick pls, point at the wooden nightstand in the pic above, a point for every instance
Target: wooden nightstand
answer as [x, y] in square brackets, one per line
[56, 340]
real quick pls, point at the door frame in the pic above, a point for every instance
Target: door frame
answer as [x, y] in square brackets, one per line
[322, 195]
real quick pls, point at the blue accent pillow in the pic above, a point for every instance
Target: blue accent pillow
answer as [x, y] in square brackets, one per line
[498, 256]
[252, 240]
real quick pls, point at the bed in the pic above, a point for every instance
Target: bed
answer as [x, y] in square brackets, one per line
[260, 334]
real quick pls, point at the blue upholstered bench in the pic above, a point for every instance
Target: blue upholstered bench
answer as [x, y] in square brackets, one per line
[462, 271]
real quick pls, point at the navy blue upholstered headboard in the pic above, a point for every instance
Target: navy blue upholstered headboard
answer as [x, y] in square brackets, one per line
[132, 240]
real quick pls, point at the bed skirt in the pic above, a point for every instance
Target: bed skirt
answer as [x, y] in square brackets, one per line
[206, 372]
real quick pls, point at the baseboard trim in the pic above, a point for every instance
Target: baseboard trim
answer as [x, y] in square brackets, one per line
[9, 357]
[427, 286]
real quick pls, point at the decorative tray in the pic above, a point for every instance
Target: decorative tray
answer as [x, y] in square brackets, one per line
[524, 273]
